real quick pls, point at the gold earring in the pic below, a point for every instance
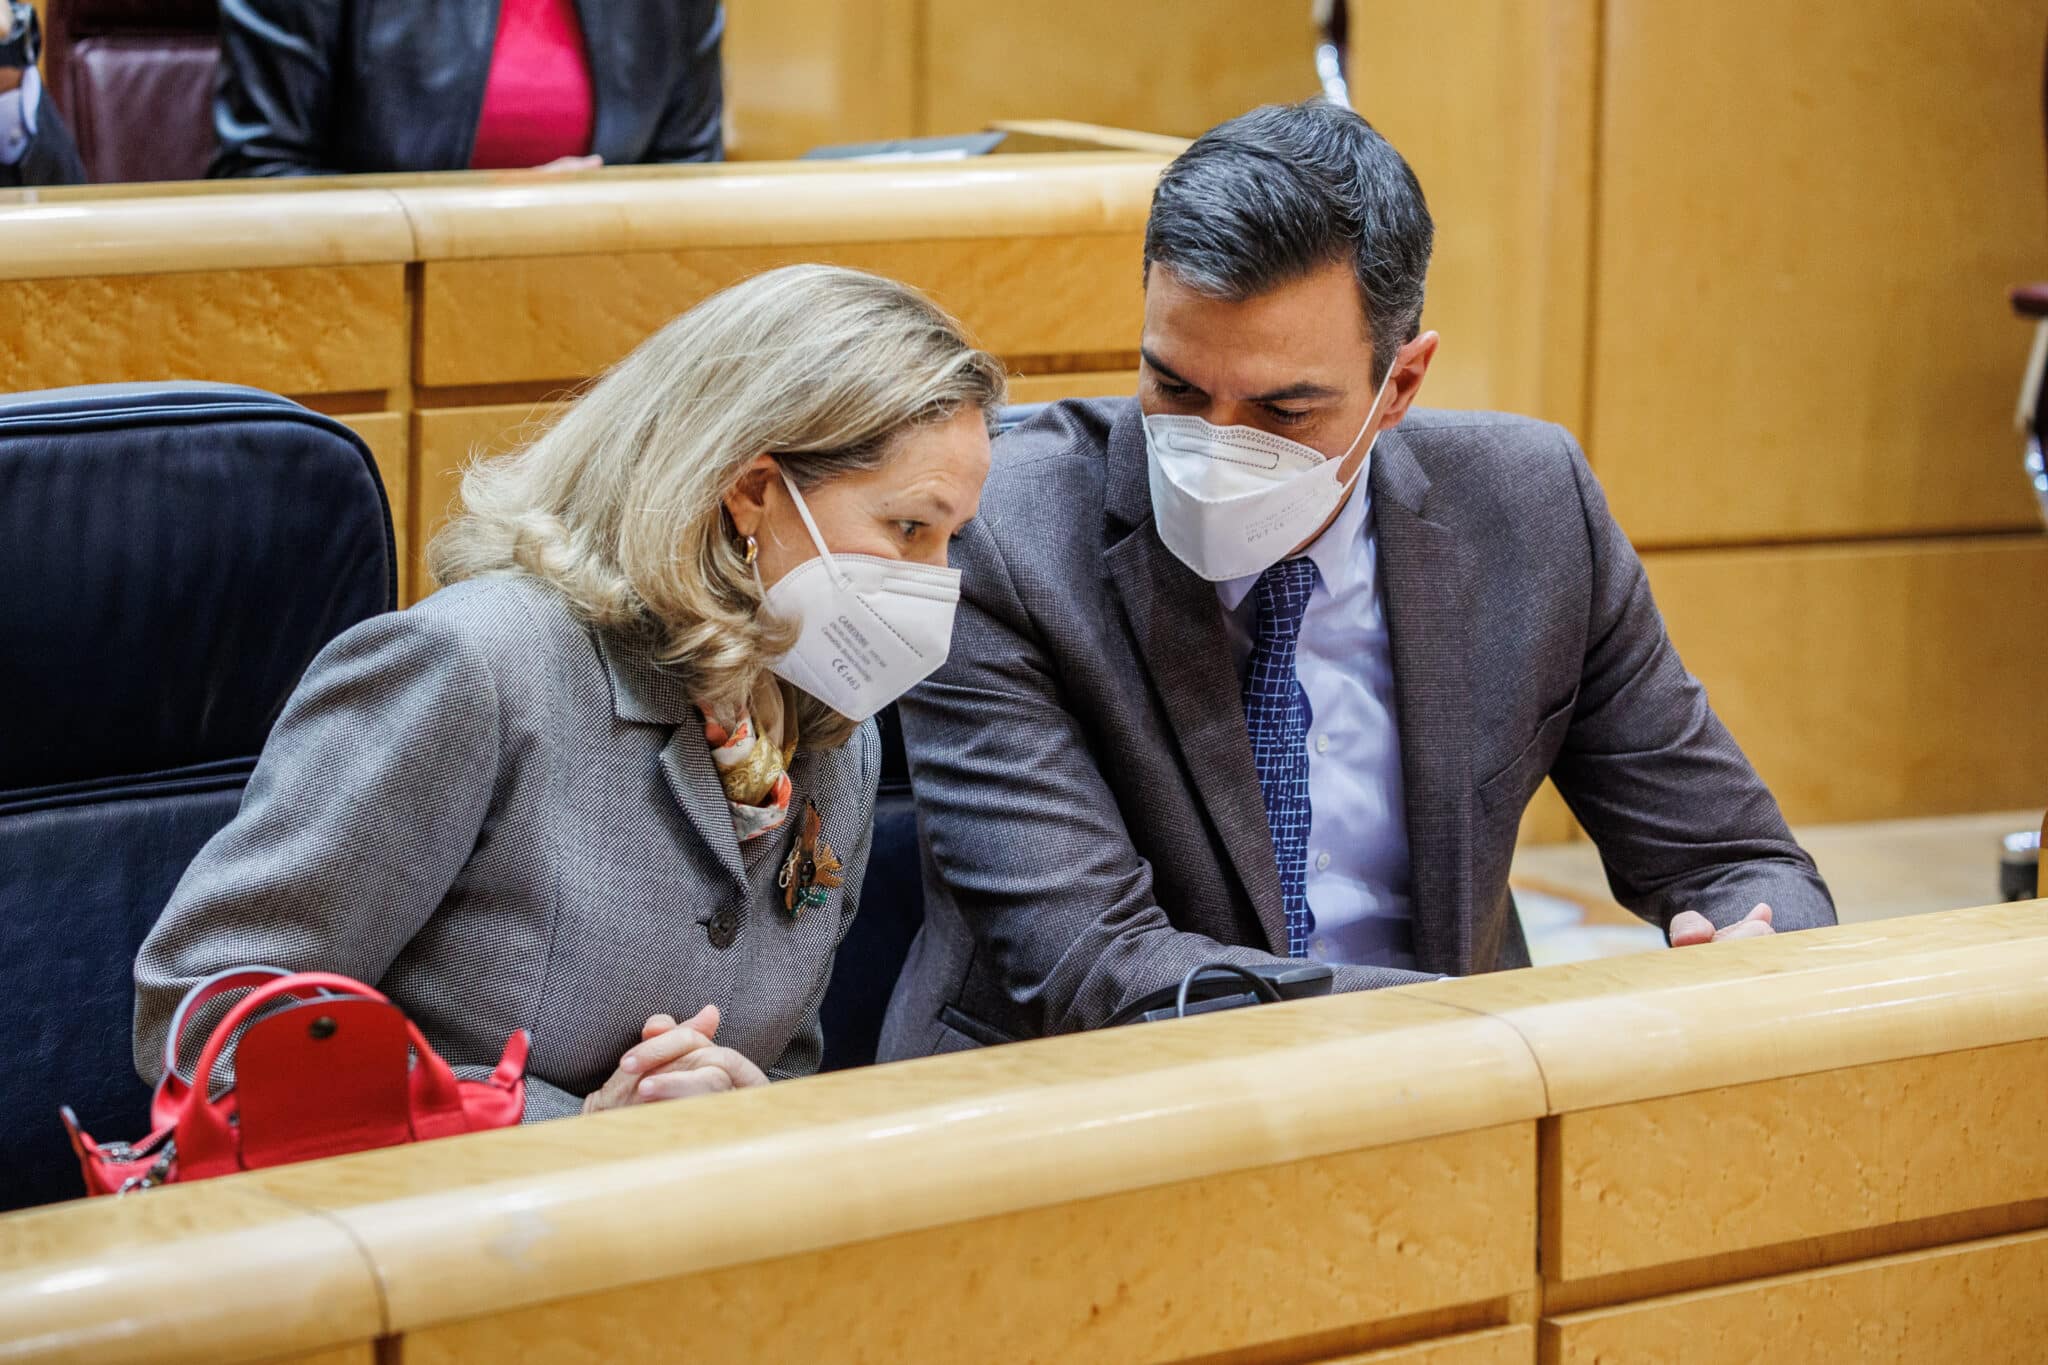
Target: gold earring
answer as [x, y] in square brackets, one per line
[753, 551]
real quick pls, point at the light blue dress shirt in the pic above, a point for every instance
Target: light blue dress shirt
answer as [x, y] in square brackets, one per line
[18, 118]
[1358, 875]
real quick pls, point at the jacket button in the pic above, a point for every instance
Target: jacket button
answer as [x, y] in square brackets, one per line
[723, 928]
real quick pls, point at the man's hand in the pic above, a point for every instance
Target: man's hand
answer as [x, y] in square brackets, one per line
[1690, 926]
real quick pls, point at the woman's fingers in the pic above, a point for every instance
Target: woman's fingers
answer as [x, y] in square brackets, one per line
[715, 1068]
[667, 1048]
[682, 1084]
[735, 1064]
[659, 1051]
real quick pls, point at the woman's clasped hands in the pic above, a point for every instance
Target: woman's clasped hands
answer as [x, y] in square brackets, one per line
[675, 1061]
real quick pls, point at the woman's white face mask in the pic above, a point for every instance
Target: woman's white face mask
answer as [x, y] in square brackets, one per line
[1233, 501]
[872, 628]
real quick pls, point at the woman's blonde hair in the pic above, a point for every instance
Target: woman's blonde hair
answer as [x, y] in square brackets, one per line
[620, 504]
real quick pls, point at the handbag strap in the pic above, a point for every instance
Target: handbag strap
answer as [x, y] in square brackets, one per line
[172, 1090]
[205, 1138]
[202, 994]
[433, 1092]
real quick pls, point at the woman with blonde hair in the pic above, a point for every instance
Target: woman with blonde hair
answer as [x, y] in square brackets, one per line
[614, 775]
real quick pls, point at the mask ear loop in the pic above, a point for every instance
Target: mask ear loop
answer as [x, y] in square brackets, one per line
[1372, 414]
[817, 537]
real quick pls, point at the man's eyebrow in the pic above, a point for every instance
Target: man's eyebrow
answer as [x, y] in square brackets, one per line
[1304, 389]
[1295, 392]
[1164, 371]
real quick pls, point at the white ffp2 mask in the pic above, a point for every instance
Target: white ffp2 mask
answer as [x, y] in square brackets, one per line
[872, 628]
[1233, 501]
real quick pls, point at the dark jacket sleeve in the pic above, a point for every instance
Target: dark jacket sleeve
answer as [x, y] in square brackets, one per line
[692, 122]
[273, 107]
[1024, 831]
[1681, 819]
[51, 158]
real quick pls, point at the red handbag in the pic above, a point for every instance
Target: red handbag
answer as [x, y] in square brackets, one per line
[334, 1067]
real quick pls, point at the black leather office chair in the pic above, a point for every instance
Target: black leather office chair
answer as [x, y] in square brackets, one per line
[891, 897]
[171, 559]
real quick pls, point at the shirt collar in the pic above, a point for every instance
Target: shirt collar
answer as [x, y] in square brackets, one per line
[1335, 551]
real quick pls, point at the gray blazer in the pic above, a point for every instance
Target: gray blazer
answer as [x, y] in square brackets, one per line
[1091, 812]
[503, 819]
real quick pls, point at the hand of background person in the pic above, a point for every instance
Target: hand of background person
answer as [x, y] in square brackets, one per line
[10, 76]
[675, 1061]
[1689, 927]
[572, 163]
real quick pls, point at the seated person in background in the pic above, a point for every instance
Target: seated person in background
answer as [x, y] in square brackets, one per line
[596, 786]
[35, 146]
[1266, 663]
[330, 87]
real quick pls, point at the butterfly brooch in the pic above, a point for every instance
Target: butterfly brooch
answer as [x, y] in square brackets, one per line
[811, 870]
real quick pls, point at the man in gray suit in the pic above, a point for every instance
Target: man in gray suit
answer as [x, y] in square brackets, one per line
[1267, 663]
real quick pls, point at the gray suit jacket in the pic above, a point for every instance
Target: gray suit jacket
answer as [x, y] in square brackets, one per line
[1091, 812]
[504, 820]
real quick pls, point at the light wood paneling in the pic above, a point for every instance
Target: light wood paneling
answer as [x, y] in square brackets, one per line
[1751, 1166]
[1491, 102]
[1756, 1010]
[567, 318]
[1046, 388]
[152, 231]
[1501, 1346]
[1548, 820]
[1802, 248]
[309, 330]
[1980, 1303]
[1867, 682]
[145, 1279]
[853, 1157]
[444, 441]
[810, 73]
[385, 434]
[793, 204]
[1031, 135]
[362, 1353]
[1164, 66]
[1192, 1268]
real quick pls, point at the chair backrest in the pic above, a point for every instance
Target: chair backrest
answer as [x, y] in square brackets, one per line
[171, 559]
[134, 79]
[891, 897]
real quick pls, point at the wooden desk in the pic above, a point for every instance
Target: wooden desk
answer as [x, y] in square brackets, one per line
[442, 315]
[1816, 1147]
[1793, 379]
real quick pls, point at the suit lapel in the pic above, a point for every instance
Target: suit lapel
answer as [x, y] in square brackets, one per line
[643, 693]
[1178, 624]
[693, 781]
[1424, 581]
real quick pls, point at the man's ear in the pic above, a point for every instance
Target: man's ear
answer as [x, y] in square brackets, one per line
[1411, 365]
[746, 502]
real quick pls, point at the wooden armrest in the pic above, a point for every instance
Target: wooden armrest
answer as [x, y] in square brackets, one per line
[2030, 300]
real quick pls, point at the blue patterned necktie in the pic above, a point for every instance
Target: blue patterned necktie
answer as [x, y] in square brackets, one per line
[1276, 717]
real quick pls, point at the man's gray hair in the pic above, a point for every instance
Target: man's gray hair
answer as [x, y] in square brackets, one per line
[1288, 189]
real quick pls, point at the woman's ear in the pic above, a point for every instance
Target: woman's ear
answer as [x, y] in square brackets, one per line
[746, 502]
